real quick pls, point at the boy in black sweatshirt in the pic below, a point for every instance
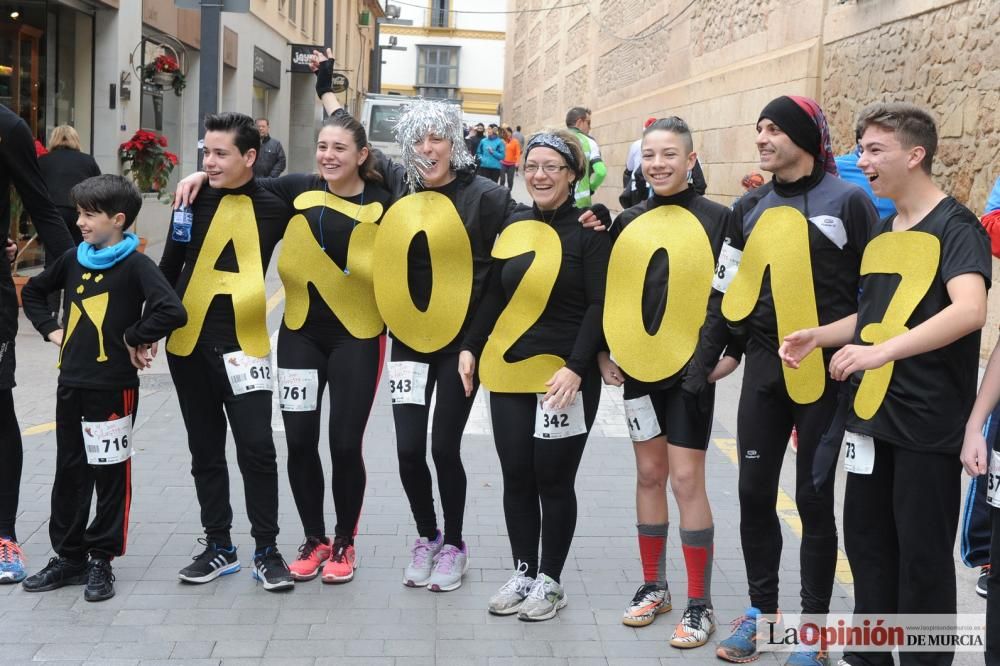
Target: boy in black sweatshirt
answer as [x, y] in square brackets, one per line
[108, 337]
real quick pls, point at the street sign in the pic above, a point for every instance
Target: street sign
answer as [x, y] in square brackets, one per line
[301, 54]
[340, 83]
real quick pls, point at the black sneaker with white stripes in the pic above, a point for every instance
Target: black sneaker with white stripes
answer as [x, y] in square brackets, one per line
[215, 561]
[269, 568]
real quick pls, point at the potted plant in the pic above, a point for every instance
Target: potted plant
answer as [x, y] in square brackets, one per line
[146, 159]
[165, 72]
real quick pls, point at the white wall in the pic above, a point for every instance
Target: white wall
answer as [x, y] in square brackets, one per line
[480, 61]
[497, 22]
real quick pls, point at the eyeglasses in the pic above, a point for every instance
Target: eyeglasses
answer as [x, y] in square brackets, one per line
[547, 168]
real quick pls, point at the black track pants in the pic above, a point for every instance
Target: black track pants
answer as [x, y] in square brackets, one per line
[10, 471]
[75, 479]
[900, 523]
[206, 399]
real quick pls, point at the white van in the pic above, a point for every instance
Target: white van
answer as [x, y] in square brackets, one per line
[380, 114]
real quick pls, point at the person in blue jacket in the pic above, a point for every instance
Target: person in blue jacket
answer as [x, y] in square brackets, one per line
[490, 151]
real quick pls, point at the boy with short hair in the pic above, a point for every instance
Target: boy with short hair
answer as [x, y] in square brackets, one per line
[108, 336]
[913, 362]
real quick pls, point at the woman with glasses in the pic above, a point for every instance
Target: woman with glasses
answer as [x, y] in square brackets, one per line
[540, 430]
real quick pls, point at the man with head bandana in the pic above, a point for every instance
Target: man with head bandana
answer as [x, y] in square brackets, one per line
[794, 145]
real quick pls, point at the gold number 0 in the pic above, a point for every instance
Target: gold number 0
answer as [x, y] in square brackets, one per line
[780, 242]
[648, 357]
[433, 214]
[914, 256]
[523, 310]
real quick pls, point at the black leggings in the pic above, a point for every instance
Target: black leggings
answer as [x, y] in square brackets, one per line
[450, 414]
[206, 399]
[764, 422]
[10, 471]
[539, 497]
[352, 368]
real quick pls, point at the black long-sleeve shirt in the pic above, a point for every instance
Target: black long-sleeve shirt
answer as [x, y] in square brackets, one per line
[714, 334]
[332, 229]
[570, 326]
[19, 166]
[840, 217]
[271, 216]
[104, 311]
[483, 207]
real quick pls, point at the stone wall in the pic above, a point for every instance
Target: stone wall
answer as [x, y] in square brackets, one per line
[947, 61]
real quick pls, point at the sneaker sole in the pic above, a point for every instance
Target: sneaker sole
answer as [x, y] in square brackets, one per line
[722, 654]
[434, 587]
[685, 645]
[301, 578]
[98, 597]
[409, 582]
[13, 579]
[333, 579]
[981, 593]
[548, 616]
[504, 613]
[274, 587]
[73, 580]
[223, 571]
[647, 620]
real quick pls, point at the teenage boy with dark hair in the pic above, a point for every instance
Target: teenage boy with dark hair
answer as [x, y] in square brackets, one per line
[903, 495]
[108, 336]
[219, 361]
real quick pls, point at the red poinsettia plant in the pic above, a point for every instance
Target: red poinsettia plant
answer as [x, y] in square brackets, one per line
[166, 64]
[146, 159]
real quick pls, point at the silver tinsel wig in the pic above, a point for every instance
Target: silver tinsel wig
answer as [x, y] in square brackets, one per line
[423, 117]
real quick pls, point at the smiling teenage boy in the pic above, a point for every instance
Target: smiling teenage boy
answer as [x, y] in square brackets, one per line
[922, 304]
[219, 361]
[109, 335]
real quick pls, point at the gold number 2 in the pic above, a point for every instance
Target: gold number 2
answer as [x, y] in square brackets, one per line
[523, 310]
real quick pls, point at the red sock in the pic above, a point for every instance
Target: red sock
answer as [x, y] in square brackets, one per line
[695, 560]
[652, 552]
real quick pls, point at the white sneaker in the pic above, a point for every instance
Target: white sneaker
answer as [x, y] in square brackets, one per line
[450, 564]
[695, 627]
[418, 571]
[544, 600]
[511, 595]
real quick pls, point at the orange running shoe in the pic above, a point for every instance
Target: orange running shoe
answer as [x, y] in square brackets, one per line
[312, 554]
[342, 563]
